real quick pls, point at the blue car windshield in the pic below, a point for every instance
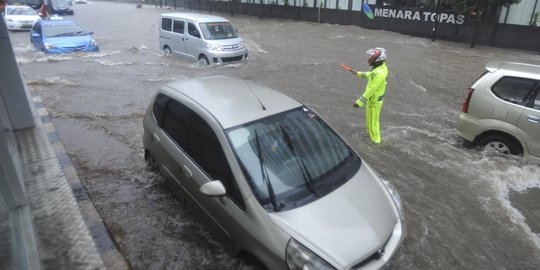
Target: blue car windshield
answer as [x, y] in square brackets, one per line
[64, 31]
[292, 158]
[218, 30]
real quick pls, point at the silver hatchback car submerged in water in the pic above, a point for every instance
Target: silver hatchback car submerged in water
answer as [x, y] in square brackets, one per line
[274, 177]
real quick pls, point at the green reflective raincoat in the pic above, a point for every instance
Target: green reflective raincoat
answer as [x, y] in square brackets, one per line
[373, 98]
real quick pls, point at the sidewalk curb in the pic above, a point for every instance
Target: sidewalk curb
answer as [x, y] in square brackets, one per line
[106, 247]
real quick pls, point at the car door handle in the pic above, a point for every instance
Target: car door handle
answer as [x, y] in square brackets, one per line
[186, 171]
[533, 119]
[155, 138]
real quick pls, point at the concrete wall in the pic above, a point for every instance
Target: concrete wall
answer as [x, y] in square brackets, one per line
[490, 33]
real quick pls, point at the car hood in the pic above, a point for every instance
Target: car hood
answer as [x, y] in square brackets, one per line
[347, 225]
[70, 41]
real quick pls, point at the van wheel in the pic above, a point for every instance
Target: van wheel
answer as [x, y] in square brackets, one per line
[203, 60]
[500, 144]
[167, 51]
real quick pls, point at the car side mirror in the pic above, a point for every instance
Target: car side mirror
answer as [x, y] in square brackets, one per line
[36, 35]
[91, 32]
[213, 189]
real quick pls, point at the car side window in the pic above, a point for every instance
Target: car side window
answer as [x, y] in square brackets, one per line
[158, 109]
[206, 150]
[176, 123]
[166, 24]
[178, 26]
[514, 89]
[192, 30]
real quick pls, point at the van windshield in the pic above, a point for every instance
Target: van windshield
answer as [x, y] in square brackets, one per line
[218, 30]
[292, 158]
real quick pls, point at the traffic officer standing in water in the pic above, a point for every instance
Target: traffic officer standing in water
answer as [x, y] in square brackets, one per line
[374, 93]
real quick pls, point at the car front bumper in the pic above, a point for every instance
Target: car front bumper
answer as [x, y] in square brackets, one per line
[220, 57]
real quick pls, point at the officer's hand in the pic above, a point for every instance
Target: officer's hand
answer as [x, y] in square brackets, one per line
[355, 105]
[359, 103]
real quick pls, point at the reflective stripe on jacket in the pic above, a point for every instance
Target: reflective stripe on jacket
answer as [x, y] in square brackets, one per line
[376, 85]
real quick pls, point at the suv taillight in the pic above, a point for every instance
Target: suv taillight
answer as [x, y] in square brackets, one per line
[465, 107]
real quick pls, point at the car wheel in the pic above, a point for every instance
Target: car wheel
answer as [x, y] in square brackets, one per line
[150, 161]
[203, 60]
[500, 144]
[167, 51]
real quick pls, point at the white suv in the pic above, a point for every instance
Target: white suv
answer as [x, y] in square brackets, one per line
[502, 110]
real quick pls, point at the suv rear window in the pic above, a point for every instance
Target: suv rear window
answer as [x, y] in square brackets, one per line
[514, 89]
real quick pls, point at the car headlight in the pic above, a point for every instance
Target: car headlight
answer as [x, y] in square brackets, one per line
[214, 47]
[242, 45]
[9, 20]
[49, 46]
[397, 199]
[301, 258]
[93, 42]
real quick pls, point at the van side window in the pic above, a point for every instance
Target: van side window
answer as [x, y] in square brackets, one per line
[192, 30]
[206, 150]
[159, 107]
[514, 89]
[166, 24]
[176, 123]
[178, 26]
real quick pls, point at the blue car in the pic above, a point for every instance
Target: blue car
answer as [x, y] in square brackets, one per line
[62, 36]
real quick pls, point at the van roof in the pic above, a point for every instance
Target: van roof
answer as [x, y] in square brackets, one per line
[233, 101]
[195, 17]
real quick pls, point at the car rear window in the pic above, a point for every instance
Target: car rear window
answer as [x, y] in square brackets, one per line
[514, 89]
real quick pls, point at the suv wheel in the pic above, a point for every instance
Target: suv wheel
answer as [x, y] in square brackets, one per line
[500, 144]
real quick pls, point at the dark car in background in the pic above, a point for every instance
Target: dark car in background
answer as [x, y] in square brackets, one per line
[60, 7]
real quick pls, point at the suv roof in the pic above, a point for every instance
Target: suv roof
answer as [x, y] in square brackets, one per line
[513, 66]
[233, 101]
[195, 17]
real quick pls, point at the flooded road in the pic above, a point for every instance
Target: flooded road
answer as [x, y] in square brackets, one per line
[464, 209]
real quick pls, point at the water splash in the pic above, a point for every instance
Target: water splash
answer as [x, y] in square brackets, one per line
[50, 81]
[164, 79]
[137, 48]
[111, 63]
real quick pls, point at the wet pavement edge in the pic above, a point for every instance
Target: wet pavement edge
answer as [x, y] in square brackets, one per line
[106, 247]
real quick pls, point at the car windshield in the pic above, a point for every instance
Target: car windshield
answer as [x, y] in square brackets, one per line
[20, 11]
[64, 31]
[218, 30]
[292, 158]
[61, 3]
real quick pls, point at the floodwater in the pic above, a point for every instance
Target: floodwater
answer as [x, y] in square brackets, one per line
[464, 209]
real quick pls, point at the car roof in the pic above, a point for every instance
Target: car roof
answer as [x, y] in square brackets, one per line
[58, 22]
[233, 101]
[195, 17]
[514, 66]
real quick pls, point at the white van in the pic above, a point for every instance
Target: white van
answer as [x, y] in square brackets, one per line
[205, 38]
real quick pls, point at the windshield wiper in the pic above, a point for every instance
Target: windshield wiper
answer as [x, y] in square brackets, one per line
[68, 34]
[265, 178]
[305, 173]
